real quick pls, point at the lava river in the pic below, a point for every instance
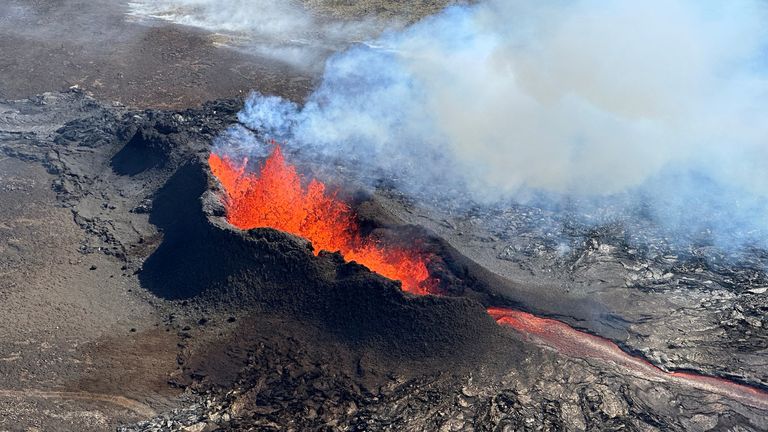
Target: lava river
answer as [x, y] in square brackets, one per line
[571, 342]
[276, 198]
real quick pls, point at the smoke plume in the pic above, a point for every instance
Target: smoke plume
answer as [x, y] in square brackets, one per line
[658, 105]
[277, 29]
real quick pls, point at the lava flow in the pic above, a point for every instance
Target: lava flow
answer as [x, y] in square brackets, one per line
[275, 198]
[569, 341]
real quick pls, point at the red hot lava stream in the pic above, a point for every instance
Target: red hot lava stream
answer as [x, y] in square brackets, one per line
[569, 341]
[276, 198]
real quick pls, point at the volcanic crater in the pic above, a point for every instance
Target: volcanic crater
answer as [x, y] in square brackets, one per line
[153, 279]
[270, 334]
[263, 267]
[276, 273]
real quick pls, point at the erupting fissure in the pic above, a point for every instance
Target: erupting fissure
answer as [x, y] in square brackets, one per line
[276, 198]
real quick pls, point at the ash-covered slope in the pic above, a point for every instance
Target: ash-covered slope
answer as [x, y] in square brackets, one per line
[273, 337]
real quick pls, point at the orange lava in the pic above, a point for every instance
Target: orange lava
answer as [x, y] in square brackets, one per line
[569, 341]
[275, 198]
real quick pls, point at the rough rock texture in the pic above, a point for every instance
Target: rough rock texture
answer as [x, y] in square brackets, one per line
[80, 347]
[681, 306]
[268, 336]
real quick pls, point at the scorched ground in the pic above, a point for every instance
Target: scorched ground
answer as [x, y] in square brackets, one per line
[265, 332]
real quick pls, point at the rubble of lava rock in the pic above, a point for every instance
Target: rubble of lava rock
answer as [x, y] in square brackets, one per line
[694, 304]
[275, 337]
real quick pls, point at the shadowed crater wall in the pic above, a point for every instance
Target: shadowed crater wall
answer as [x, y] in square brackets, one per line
[202, 256]
[147, 149]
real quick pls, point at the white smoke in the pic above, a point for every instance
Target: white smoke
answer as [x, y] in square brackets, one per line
[278, 29]
[662, 100]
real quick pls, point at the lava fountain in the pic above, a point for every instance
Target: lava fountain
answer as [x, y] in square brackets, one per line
[276, 197]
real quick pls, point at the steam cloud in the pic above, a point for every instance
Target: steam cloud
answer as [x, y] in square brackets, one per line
[278, 29]
[658, 105]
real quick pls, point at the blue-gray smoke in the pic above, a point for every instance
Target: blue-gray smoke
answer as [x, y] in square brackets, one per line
[655, 108]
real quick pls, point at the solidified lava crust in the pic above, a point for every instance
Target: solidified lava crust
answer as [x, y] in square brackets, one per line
[274, 337]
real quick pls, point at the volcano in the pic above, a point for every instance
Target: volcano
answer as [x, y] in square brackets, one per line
[274, 327]
[276, 198]
[346, 249]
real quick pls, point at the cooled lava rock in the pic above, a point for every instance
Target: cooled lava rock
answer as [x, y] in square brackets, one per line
[321, 344]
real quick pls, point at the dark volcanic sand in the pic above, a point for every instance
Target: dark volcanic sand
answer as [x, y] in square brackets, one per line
[53, 45]
[125, 294]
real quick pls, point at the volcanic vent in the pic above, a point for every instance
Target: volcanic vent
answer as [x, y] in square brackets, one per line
[287, 329]
[212, 250]
[277, 198]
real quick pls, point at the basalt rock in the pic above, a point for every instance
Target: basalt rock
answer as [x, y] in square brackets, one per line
[295, 340]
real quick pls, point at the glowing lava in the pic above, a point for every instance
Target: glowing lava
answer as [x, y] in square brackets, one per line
[569, 341]
[275, 198]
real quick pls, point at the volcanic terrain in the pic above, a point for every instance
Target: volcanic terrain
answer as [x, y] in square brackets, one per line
[134, 298]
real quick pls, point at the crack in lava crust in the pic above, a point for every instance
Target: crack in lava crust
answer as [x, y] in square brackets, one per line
[276, 198]
[569, 341]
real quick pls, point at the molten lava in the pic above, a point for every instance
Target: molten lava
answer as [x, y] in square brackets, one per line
[572, 342]
[275, 198]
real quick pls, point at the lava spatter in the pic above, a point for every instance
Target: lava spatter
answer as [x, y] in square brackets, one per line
[275, 197]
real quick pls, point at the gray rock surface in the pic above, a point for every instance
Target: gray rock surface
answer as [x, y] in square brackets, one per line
[265, 342]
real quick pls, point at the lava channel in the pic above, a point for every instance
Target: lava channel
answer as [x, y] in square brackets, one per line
[574, 343]
[276, 198]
